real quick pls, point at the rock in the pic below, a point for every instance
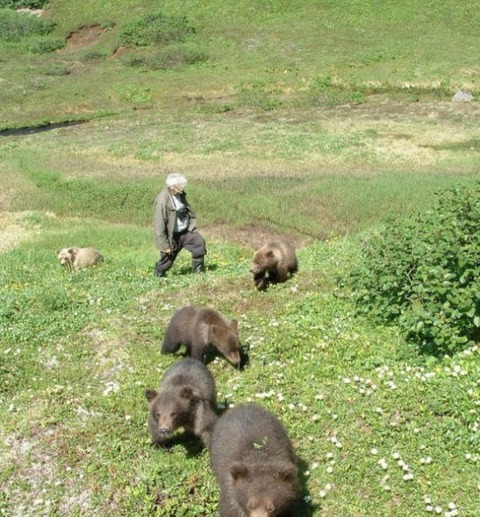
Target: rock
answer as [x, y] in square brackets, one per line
[462, 96]
[33, 12]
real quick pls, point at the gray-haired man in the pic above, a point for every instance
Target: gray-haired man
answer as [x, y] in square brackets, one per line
[175, 226]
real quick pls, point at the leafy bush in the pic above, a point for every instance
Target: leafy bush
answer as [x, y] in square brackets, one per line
[42, 45]
[424, 273]
[56, 69]
[93, 54]
[18, 4]
[155, 28]
[15, 26]
[134, 93]
[171, 57]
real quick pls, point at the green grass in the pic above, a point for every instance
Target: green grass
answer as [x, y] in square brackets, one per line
[313, 121]
[260, 55]
[78, 351]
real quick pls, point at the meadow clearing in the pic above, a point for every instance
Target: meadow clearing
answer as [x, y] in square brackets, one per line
[278, 135]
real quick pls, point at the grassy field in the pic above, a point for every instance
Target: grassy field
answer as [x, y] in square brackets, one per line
[314, 120]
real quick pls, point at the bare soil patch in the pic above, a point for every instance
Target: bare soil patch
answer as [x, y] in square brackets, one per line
[85, 37]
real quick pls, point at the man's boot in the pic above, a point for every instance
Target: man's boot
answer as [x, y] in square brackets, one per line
[198, 265]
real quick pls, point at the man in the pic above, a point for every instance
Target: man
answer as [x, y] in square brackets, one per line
[175, 226]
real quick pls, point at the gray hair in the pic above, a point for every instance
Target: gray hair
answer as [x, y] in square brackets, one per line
[175, 178]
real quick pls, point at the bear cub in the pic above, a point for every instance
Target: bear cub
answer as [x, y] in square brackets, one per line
[273, 263]
[78, 258]
[254, 464]
[198, 328]
[187, 398]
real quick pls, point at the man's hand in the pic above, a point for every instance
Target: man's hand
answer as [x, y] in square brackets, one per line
[168, 251]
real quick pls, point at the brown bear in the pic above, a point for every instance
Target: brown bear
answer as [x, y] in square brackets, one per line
[197, 328]
[274, 263]
[187, 398]
[254, 463]
[77, 258]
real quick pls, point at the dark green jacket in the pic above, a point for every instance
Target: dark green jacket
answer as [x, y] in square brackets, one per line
[164, 219]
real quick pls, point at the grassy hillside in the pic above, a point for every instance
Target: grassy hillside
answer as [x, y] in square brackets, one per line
[314, 120]
[258, 54]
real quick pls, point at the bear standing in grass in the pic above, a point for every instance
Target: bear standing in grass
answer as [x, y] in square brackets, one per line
[198, 328]
[77, 258]
[274, 263]
[187, 398]
[254, 464]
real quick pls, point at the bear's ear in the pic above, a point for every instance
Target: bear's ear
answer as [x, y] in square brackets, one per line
[186, 392]
[287, 474]
[234, 324]
[269, 253]
[71, 251]
[150, 394]
[239, 471]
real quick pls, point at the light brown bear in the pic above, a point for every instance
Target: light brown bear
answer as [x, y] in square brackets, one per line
[77, 258]
[187, 398]
[254, 463]
[273, 263]
[198, 328]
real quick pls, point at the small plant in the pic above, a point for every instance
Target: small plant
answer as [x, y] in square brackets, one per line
[136, 94]
[262, 444]
[44, 45]
[424, 273]
[171, 57]
[56, 69]
[155, 29]
[93, 54]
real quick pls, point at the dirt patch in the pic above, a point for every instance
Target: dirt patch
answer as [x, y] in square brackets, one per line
[85, 37]
[119, 52]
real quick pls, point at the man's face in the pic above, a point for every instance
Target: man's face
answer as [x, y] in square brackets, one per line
[177, 189]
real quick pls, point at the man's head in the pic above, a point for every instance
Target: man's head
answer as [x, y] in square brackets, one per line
[176, 182]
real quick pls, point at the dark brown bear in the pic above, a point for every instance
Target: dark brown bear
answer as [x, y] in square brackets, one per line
[187, 398]
[254, 464]
[274, 263]
[197, 329]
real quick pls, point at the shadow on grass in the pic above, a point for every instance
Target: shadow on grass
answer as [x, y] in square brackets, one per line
[304, 506]
[192, 445]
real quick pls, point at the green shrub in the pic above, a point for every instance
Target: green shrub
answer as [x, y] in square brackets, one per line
[44, 45]
[424, 273]
[155, 29]
[93, 54]
[15, 26]
[134, 93]
[18, 4]
[56, 69]
[171, 57]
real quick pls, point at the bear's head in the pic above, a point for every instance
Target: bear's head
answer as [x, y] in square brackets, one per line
[227, 341]
[170, 409]
[266, 488]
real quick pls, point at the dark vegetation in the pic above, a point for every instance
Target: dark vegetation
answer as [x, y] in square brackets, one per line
[423, 273]
[155, 29]
[14, 26]
[29, 4]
